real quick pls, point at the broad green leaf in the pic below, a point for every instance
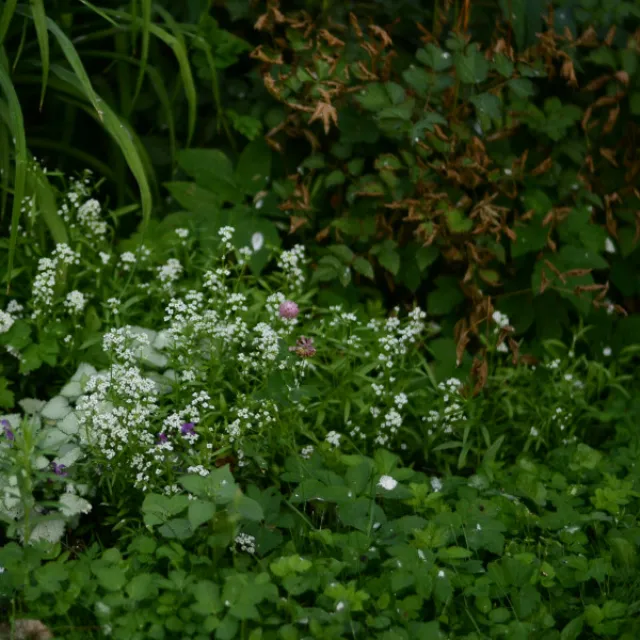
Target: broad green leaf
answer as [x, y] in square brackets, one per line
[200, 512]
[110, 578]
[142, 587]
[471, 66]
[446, 297]
[212, 170]
[363, 266]
[487, 104]
[457, 221]
[434, 57]
[254, 167]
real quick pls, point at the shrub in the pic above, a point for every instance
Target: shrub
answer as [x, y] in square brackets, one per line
[468, 176]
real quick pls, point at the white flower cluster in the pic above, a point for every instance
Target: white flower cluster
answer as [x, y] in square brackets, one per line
[90, 219]
[169, 272]
[226, 233]
[397, 337]
[246, 543]
[45, 281]
[75, 302]
[452, 413]
[561, 418]
[501, 320]
[291, 263]
[6, 321]
[79, 210]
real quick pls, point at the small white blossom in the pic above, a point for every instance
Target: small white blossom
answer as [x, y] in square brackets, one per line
[75, 302]
[388, 483]
[609, 247]
[606, 352]
[333, 438]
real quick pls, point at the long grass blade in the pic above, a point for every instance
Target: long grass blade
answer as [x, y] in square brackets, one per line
[123, 137]
[177, 44]
[5, 169]
[74, 61]
[40, 22]
[16, 127]
[144, 52]
[158, 85]
[5, 19]
[180, 50]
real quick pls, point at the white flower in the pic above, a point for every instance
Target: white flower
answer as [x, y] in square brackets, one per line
[182, 233]
[257, 241]
[75, 301]
[534, 432]
[307, 451]
[6, 321]
[105, 257]
[340, 606]
[507, 172]
[247, 543]
[333, 438]
[441, 574]
[436, 485]
[606, 352]
[500, 319]
[388, 483]
[609, 247]
[502, 348]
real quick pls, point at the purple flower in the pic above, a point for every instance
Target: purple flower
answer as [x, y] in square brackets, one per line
[163, 438]
[9, 435]
[59, 469]
[289, 310]
[187, 429]
[304, 347]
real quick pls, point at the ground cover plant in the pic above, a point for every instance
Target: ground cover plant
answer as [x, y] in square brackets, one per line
[239, 461]
[336, 337]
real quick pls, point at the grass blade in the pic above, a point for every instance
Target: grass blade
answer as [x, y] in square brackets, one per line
[40, 22]
[16, 126]
[74, 61]
[5, 19]
[144, 53]
[177, 44]
[123, 137]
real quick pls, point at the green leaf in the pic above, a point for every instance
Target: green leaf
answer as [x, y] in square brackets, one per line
[249, 509]
[573, 630]
[521, 87]
[194, 198]
[110, 578]
[254, 167]
[634, 103]
[446, 297]
[16, 126]
[141, 587]
[471, 66]
[529, 238]
[426, 256]
[363, 267]
[604, 57]
[389, 258]
[418, 79]
[434, 57]
[213, 171]
[40, 22]
[178, 528]
[457, 221]
[487, 104]
[200, 512]
[342, 252]
[373, 97]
